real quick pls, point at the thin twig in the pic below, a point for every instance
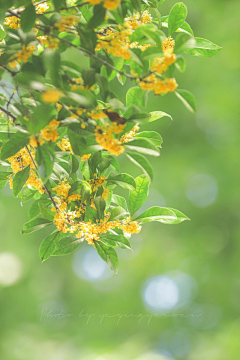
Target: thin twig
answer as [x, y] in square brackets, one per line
[14, 117]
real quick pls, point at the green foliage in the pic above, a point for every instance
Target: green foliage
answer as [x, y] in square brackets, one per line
[65, 124]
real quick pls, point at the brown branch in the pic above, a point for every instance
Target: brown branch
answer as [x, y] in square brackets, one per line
[8, 113]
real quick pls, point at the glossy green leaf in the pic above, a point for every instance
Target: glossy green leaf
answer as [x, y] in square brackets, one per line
[48, 245]
[203, 48]
[115, 241]
[138, 197]
[157, 213]
[100, 204]
[108, 254]
[144, 146]
[67, 245]
[155, 115]
[35, 225]
[187, 98]
[34, 210]
[177, 16]
[28, 18]
[121, 201]
[151, 135]
[19, 180]
[180, 63]
[16, 143]
[124, 180]
[117, 213]
[142, 162]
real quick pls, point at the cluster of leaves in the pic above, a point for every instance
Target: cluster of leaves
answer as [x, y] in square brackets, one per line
[41, 87]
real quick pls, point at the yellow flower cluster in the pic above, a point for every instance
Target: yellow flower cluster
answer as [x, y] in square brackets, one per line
[24, 55]
[116, 41]
[136, 20]
[129, 135]
[160, 65]
[62, 188]
[68, 221]
[108, 4]
[49, 41]
[168, 44]
[41, 8]
[67, 22]
[12, 21]
[105, 137]
[97, 113]
[51, 96]
[78, 84]
[159, 86]
[50, 133]
[97, 182]
[64, 145]
[18, 162]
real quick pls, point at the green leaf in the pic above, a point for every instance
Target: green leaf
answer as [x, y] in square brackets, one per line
[124, 180]
[16, 143]
[67, 245]
[121, 201]
[100, 204]
[98, 17]
[157, 213]
[45, 160]
[142, 162]
[183, 42]
[34, 210]
[108, 254]
[47, 213]
[151, 135]
[180, 216]
[48, 245]
[118, 212]
[41, 117]
[138, 197]
[187, 98]
[103, 84]
[203, 48]
[28, 17]
[19, 180]
[4, 175]
[74, 164]
[180, 63]
[35, 225]
[52, 63]
[135, 96]
[155, 115]
[144, 146]
[78, 143]
[86, 190]
[115, 241]
[177, 16]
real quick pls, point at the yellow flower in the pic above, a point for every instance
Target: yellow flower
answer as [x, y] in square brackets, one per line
[168, 43]
[129, 135]
[111, 4]
[52, 96]
[65, 145]
[105, 138]
[62, 188]
[40, 8]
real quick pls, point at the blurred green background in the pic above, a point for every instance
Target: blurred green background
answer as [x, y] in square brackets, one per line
[74, 308]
